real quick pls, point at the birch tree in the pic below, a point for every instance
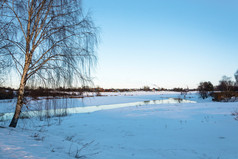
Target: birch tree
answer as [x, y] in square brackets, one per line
[48, 41]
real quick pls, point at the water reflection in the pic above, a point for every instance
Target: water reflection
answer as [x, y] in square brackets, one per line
[89, 109]
[168, 101]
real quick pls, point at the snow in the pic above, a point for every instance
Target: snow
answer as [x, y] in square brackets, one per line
[199, 130]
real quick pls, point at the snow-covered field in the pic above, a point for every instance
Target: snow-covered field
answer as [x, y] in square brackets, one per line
[201, 129]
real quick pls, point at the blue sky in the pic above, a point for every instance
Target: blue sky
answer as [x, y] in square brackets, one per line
[167, 43]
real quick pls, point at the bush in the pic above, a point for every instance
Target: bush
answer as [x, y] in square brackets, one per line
[205, 89]
[226, 84]
[227, 87]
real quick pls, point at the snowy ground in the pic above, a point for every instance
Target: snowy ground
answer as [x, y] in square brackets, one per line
[202, 130]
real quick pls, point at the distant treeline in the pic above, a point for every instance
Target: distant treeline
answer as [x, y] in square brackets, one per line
[9, 93]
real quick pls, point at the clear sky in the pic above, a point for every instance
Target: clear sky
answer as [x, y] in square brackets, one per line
[167, 43]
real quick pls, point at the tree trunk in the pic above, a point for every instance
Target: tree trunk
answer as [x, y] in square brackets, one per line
[18, 105]
[20, 94]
